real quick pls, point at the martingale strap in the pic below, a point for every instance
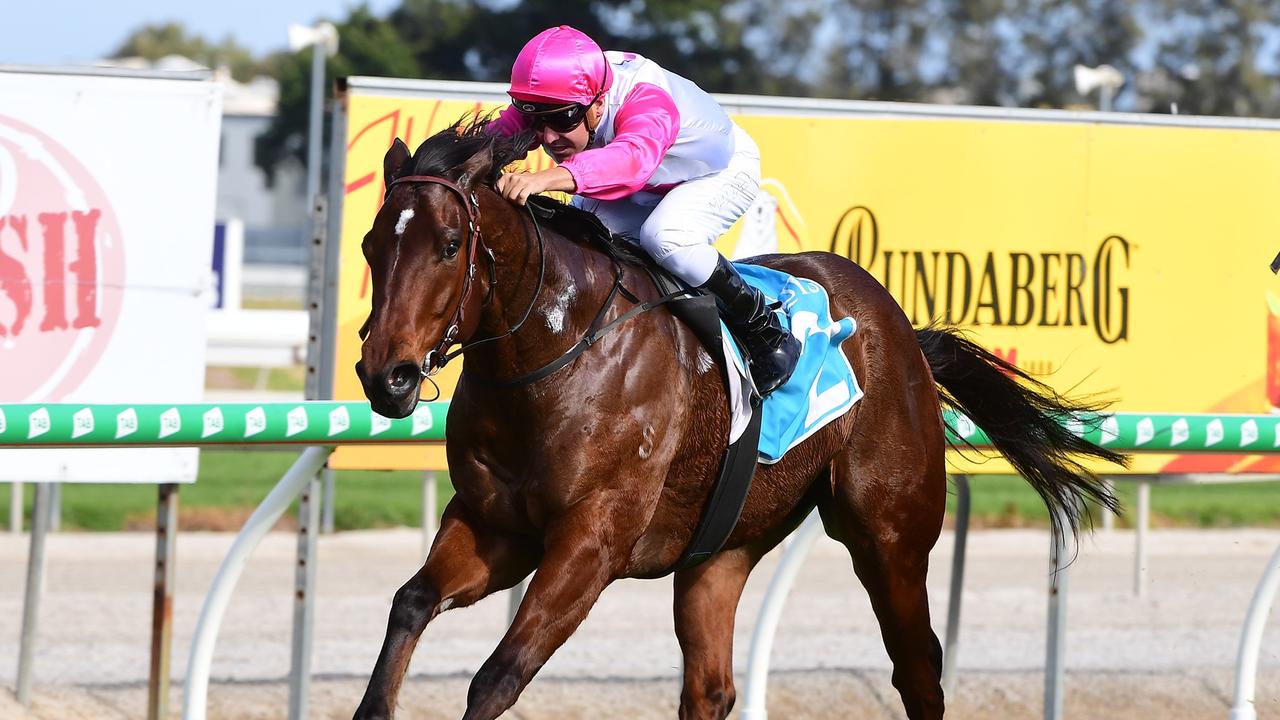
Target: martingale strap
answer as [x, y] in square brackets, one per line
[593, 334]
[595, 330]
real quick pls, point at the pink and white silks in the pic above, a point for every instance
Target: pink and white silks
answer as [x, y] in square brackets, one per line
[667, 168]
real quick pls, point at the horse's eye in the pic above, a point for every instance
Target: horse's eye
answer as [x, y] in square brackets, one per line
[451, 250]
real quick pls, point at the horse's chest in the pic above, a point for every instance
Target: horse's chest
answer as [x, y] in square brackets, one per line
[510, 488]
[493, 496]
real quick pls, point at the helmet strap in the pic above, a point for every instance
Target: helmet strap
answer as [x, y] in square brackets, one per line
[591, 131]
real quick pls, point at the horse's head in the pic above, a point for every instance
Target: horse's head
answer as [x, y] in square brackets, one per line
[423, 251]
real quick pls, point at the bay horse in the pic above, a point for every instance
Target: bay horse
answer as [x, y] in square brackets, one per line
[600, 470]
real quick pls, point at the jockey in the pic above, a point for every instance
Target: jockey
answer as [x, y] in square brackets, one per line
[657, 160]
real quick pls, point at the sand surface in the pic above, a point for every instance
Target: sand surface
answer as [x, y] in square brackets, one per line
[1170, 654]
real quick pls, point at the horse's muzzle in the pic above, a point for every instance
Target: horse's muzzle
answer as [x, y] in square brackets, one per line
[392, 392]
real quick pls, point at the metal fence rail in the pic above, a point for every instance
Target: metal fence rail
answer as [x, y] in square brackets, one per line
[322, 425]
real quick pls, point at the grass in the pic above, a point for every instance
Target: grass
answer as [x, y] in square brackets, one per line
[272, 303]
[283, 379]
[232, 482]
[230, 485]
[1007, 501]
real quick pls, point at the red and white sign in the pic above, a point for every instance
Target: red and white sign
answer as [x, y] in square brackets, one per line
[107, 191]
[61, 266]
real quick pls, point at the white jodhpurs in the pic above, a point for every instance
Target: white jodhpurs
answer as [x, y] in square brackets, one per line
[679, 229]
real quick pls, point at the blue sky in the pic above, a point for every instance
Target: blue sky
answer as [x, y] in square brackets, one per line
[51, 32]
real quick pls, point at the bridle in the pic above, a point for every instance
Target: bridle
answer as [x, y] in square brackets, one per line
[438, 356]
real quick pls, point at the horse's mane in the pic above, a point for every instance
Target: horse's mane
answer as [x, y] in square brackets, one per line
[469, 134]
[459, 142]
[583, 226]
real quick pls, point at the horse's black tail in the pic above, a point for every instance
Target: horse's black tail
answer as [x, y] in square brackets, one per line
[1024, 419]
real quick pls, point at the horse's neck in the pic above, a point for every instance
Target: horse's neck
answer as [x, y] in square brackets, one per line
[576, 283]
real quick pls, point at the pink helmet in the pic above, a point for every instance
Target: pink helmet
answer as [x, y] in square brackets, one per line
[560, 64]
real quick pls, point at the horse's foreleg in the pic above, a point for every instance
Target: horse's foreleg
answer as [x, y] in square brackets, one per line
[466, 563]
[706, 601]
[584, 553]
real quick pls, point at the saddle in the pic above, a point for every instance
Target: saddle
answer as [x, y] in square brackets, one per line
[699, 312]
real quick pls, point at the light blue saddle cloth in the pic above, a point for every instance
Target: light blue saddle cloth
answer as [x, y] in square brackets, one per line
[823, 386]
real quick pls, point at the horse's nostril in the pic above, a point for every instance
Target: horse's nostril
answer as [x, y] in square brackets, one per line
[401, 378]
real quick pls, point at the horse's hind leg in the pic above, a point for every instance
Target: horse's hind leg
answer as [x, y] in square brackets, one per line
[465, 564]
[706, 601]
[886, 508]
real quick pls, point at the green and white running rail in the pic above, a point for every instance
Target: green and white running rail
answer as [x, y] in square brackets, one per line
[1158, 432]
[343, 423]
[152, 425]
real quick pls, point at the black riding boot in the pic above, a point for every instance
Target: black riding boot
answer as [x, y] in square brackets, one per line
[772, 351]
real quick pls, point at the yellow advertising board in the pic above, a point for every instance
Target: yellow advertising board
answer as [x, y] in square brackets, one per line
[1121, 260]
[372, 123]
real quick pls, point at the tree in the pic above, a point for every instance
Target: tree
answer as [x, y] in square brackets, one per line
[479, 41]
[1210, 60]
[878, 51]
[157, 41]
[457, 40]
[1209, 56]
[1054, 37]
[367, 45]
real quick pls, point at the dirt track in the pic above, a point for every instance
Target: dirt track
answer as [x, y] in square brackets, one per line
[1169, 655]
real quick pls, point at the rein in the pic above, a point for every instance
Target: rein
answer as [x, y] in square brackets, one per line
[439, 355]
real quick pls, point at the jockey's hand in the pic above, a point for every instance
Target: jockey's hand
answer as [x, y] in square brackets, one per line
[517, 187]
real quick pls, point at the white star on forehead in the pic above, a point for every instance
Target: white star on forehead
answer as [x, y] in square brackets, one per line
[405, 216]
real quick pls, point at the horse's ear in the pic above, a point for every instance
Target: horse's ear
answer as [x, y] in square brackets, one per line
[477, 167]
[394, 161]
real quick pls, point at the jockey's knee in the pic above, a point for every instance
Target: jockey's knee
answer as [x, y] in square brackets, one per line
[686, 254]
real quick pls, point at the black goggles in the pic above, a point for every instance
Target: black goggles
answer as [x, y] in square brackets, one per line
[559, 117]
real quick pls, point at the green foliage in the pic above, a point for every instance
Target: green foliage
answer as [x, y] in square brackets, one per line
[1211, 57]
[1208, 56]
[156, 41]
[462, 40]
[367, 45]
